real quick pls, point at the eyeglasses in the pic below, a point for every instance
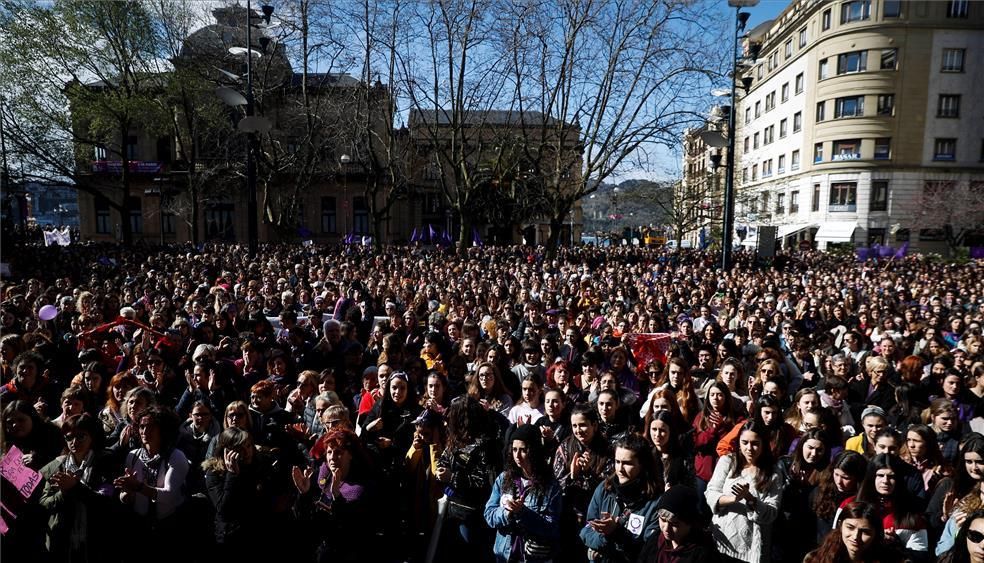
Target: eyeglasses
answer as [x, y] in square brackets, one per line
[74, 437]
[975, 537]
[333, 423]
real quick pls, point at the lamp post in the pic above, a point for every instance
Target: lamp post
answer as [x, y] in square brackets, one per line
[343, 169]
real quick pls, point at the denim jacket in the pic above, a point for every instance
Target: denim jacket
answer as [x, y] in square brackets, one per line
[539, 519]
[637, 523]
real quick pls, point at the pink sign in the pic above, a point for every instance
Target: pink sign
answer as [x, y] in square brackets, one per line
[22, 477]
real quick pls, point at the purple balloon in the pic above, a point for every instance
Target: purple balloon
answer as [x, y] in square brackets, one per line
[47, 312]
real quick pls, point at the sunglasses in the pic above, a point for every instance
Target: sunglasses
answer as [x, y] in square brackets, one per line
[975, 537]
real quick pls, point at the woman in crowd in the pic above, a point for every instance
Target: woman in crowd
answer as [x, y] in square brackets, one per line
[969, 543]
[119, 385]
[488, 389]
[678, 467]
[714, 421]
[437, 394]
[336, 499]
[524, 507]
[78, 495]
[958, 495]
[153, 485]
[234, 478]
[622, 514]
[922, 451]
[800, 474]
[677, 379]
[743, 495]
[529, 409]
[559, 376]
[858, 538]
[581, 462]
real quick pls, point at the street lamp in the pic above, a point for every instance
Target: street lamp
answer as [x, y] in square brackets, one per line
[717, 140]
[344, 160]
[251, 124]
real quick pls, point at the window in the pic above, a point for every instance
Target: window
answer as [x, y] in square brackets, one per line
[843, 196]
[164, 150]
[855, 11]
[956, 8]
[818, 152]
[825, 20]
[855, 61]
[773, 61]
[949, 106]
[782, 128]
[822, 69]
[794, 202]
[765, 202]
[99, 152]
[852, 106]
[785, 92]
[794, 160]
[782, 164]
[770, 101]
[799, 83]
[744, 174]
[360, 216]
[780, 204]
[879, 195]
[886, 104]
[760, 72]
[789, 49]
[892, 8]
[889, 59]
[821, 106]
[816, 198]
[329, 215]
[767, 168]
[797, 121]
[847, 150]
[102, 216]
[945, 149]
[747, 143]
[133, 205]
[953, 60]
[883, 148]
[748, 115]
[802, 42]
[755, 172]
[769, 135]
[219, 221]
[131, 148]
[755, 141]
[758, 109]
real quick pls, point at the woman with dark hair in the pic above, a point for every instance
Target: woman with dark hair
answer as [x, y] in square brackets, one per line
[908, 406]
[800, 473]
[336, 498]
[882, 487]
[30, 383]
[78, 492]
[468, 467]
[712, 423]
[744, 496]
[39, 441]
[524, 508]
[677, 378]
[153, 484]
[622, 514]
[968, 546]
[581, 462]
[858, 538]
[922, 451]
[678, 467]
[767, 411]
[487, 388]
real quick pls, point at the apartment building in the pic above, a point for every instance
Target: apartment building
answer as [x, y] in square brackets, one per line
[860, 126]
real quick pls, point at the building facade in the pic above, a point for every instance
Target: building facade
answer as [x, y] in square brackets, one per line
[860, 126]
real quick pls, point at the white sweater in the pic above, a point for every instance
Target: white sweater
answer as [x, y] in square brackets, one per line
[740, 531]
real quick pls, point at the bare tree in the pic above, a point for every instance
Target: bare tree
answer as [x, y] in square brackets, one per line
[952, 208]
[601, 84]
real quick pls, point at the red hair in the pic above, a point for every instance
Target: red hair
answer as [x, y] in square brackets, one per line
[553, 368]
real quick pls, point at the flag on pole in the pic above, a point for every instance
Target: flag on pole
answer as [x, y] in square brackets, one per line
[863, 254]
[900, 253]
[415, 235]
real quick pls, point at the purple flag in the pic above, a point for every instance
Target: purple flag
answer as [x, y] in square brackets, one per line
[415, 236]
[885, 251]
[900, 253]
[476, 238]
[977, 251]
[863, 254]
[446, 237]
[431, 233]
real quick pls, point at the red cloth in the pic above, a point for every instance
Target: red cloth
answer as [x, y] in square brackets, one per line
[647, 347]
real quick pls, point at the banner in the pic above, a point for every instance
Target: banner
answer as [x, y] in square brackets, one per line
[649, 347]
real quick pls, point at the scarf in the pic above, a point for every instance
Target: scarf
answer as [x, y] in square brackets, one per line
[80, 525]
[152, 466]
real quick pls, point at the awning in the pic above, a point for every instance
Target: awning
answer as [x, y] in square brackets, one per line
[793, 228]
[840, 231]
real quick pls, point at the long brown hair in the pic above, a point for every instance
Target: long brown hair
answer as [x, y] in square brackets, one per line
[766, 461]
[833, 550]
[826, 500]
[685, 395]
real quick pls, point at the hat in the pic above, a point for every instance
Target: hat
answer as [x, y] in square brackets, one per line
[872, 410]
[681, 501]
[428, 417]
[527, 433]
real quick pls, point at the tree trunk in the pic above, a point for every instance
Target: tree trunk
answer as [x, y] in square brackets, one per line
[195, 210]
[126, 233]
[464, 234]
[553, 240]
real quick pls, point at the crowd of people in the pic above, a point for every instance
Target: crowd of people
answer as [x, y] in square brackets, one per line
[495, 404]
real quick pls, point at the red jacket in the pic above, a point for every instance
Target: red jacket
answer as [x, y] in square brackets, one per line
[705, 444]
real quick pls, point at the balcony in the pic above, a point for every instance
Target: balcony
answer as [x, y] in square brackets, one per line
[134, 166]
